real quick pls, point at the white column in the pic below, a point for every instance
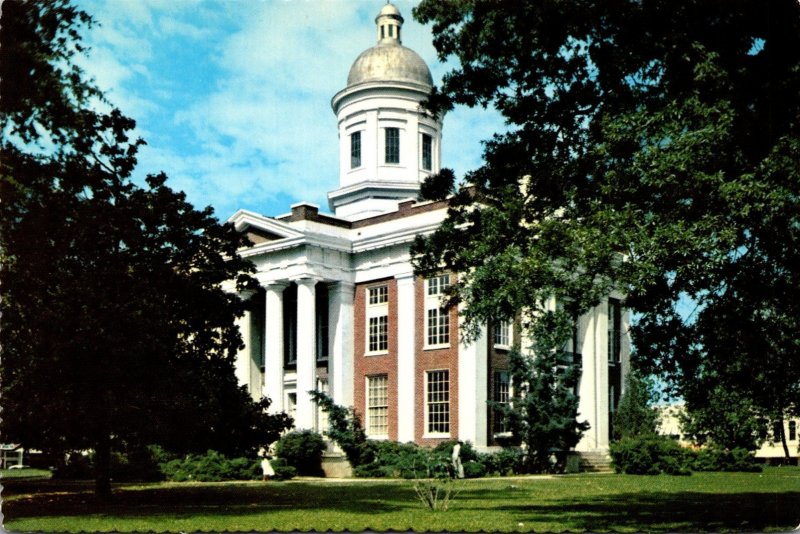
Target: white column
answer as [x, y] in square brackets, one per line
[273, 346]
[472, 390]
[587, 390]
[406, 357]
[340, 322]
[601, 362]
[306, 353]
[244, 358]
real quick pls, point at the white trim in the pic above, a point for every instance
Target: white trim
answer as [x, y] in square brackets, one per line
[425, 432]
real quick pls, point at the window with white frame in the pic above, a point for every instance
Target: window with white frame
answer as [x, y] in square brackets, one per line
[437, 402]
[502, 334]
[377, 319]
[438, 327]
[355, 150]
[437, 285]
[378, 406]
[392, 152]
[437, 318]
[427, 152]
[322, 415]
[614, 330]
[792, 430]
[502, 396]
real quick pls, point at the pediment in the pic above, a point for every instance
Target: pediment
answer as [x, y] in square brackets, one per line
[261, 229]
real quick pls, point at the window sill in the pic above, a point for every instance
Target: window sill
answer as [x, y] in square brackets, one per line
[502, 347]
[377, 353]
[381, 437]
[436, 347]
[441, 435]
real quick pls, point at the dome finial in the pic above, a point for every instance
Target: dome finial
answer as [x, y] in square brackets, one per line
[389, 21]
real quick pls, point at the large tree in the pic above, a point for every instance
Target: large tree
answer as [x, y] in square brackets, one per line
[116, 330]
[653, 147]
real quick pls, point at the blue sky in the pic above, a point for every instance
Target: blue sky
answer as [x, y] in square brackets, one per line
[233, 97]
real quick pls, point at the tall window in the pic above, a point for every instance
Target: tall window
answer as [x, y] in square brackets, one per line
[614, 330]
[378, 406]
[438, 402]
[438, 326]
[378, 319]
[502, 334]
[427, 152]
[502, 395]
[792, 430]
[437, 285]
[322, 415]
[378, 334]
[437, 318]
[290, 325]
[355, 150]
[321, 309]
[392, 145]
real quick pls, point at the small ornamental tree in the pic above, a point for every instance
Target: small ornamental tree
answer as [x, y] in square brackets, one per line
[636, 415]
[543, 412]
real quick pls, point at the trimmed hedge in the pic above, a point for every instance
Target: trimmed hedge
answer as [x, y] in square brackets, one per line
[302, 450]
[651, 455]
[211, 467]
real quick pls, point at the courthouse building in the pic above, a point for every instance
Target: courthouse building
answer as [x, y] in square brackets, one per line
[341, 310]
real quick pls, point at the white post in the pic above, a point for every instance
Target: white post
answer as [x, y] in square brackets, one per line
[340, 319]
[244, 358]
[472, 390]
[406, 356]
[306, 353]
[273, 346]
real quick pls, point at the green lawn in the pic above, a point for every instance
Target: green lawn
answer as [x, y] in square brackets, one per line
[701, 502]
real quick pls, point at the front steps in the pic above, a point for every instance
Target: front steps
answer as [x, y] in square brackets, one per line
[595, 462]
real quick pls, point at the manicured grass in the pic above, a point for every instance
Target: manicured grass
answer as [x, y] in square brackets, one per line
[26, 472]
[701, 502]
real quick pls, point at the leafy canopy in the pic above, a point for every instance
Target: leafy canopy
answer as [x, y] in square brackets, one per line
[116, 330]
[652, 148]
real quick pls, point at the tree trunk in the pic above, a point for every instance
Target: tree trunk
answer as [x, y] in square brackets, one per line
[102, 468]
[783, 442]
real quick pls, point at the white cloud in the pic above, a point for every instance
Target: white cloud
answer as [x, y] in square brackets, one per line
[249, 122]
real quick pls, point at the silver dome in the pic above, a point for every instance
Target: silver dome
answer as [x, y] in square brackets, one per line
[389, 62]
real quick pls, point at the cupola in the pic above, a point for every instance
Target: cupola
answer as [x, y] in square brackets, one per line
[387, 143]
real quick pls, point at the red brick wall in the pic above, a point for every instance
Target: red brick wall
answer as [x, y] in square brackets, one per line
[384, 364]
[431, 360]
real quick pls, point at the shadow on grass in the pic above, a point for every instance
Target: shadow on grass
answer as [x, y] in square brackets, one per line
[76, 498]
[684, 511]
[651, 510]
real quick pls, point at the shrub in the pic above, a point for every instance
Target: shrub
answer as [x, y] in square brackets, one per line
[650, 455]
[302, 450]
[211, 467]
[716, 459]
[508, 461]
[283, 471]
[473, 469]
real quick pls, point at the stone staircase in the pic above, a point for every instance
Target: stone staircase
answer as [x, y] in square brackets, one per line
[595, 462]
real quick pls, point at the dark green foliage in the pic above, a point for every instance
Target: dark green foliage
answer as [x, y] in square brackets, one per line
[344, 428]
[543, 410]
[507, 462]
[211, 467]
[715, 459]
[635, 415]
[112, 293]
[283, 471]
[302, 449]
[474, 469]
[650, 455]
[667, 134]
[723, 419]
